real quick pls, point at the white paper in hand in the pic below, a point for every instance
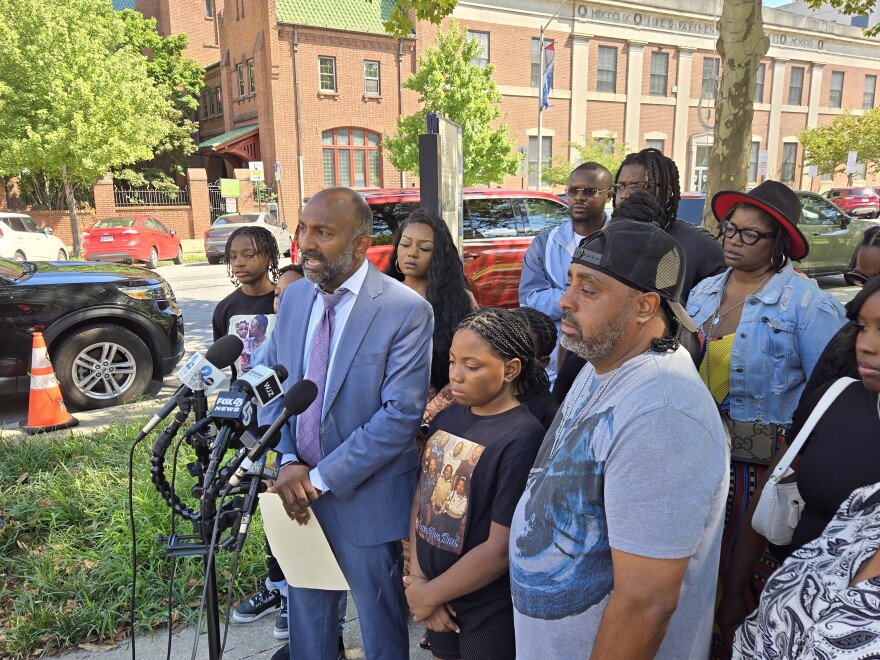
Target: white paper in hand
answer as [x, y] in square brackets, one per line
[302, 551]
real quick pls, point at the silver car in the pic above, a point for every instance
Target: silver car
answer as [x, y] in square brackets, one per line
[217, 235]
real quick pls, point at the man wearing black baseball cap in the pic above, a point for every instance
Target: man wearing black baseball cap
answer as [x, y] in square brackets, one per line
[615, 543]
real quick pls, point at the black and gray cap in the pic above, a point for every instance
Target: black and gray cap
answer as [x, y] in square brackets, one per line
[642, 256]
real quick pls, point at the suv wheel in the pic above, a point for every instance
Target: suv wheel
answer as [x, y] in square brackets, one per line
[102, 365]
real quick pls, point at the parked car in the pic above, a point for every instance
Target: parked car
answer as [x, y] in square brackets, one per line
[218, 233]
[498, 227]
[109, 329]
[832, 234]
[22, 240]
[690, 207]
[862, 202]
[129, 239]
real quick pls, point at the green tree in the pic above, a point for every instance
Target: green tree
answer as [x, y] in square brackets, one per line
[399, 23]
[827, 147]
[447, 83]
[598, 150]
[75, 98]
[182, 80]
[741, 44]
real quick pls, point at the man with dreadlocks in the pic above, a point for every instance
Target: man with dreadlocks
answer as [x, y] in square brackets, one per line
[546, 261]
[614, 545]
[651, 171]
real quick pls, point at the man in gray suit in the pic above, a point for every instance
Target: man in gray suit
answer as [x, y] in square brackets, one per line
[351, 458]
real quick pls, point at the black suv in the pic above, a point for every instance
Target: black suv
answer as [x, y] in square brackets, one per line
[109, 328]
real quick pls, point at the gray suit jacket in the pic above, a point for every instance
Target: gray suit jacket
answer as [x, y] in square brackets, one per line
[374, 400]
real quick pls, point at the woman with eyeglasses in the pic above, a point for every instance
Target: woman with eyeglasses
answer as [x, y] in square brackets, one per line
[763, 326]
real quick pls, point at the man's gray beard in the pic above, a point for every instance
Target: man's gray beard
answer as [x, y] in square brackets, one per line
[598, 348]
[333, 268]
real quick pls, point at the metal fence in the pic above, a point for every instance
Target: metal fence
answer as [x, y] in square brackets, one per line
[132, 197]
[218, 206]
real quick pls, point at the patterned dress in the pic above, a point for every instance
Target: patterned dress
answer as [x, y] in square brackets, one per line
[744, 477]
[810, 608]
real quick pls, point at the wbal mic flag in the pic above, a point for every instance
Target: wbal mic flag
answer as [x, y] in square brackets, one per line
[547, 78]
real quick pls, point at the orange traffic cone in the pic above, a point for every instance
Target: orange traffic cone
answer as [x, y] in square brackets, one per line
[46, 409]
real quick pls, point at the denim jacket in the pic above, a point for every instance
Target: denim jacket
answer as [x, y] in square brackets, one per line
[781, 334]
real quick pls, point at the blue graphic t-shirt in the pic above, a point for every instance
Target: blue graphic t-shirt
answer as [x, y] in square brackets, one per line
[643, 471]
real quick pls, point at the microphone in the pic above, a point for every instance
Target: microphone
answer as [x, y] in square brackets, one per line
[298, 398]
[220, 355]
[263, 383]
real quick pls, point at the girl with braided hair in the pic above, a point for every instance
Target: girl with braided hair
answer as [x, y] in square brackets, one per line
[458, 582]
[540, 402]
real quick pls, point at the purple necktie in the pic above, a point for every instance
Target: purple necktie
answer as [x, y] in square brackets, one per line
[309, 423]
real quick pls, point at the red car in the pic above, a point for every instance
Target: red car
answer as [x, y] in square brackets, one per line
[130, 239]
[498, 227]
[863, 202]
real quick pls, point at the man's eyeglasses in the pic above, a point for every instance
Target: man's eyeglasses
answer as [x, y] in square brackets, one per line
[586, 191]
[747, 236]
[632, 187]
[855, 278]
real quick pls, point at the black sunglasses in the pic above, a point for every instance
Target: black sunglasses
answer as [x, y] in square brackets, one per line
[586, 191]
[855, 278]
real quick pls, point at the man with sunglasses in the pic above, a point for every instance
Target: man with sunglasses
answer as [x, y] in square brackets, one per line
[546, 262]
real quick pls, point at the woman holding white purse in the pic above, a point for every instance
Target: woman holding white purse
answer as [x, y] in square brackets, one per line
[841, 454]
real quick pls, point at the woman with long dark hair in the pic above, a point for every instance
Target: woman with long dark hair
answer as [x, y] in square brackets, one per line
[424, 257]
[841, 454]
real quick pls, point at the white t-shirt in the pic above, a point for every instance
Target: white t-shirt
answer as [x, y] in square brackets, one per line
[644, 472]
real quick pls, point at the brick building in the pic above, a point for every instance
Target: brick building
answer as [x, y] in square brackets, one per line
[314, 84]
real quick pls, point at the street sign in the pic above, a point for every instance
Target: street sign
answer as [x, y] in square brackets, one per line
[231, 205]
[256, 168]
[277, 171]
[813, 171]
[851, 159]
[523, 161]
[230, 188]
[762, 162]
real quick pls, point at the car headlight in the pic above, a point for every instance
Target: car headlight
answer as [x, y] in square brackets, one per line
[148, 292]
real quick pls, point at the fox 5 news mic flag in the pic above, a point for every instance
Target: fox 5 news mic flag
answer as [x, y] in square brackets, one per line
[547, 76]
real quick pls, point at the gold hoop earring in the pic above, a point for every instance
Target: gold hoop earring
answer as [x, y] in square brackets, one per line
[397, 265]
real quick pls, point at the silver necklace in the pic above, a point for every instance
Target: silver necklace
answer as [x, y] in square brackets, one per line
[718, 315]
[566, 416]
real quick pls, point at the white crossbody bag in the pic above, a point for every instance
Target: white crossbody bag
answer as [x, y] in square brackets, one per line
[780, 505]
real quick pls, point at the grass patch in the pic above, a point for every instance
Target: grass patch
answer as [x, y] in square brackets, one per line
[65, 543]
[194, 258]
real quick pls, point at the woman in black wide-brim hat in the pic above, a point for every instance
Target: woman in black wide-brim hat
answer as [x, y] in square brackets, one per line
[762, 327]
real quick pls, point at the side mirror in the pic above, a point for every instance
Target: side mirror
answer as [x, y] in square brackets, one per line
[845, 220]
[173, 232]
[47, 231]
[284, 225]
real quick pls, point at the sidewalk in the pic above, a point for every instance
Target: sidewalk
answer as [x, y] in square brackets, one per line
[244, 641]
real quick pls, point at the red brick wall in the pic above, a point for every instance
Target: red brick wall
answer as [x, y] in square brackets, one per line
[59, 221]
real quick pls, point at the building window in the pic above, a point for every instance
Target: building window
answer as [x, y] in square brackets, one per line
[546, 155]
[606, 73]
[659, 74]
[327, 73]
[835, 94]
[796, 85]
[482, 59]
[371, 78]
[209, 8]
[536, 60]
[789, 159]
[759, 86]
[252, 87]
[653, 144]
[204, 104]
[868, 94]
[219, 100]
[240, 70]
[351, 158]
[711, 68]
[754, 148]
[212, 98]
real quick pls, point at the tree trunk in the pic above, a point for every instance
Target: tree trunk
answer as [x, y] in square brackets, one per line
[741, 44]
[71, 206]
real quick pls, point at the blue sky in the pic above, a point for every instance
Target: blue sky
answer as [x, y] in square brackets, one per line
[775, 3]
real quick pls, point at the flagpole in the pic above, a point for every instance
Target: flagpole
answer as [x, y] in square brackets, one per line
[541, 83]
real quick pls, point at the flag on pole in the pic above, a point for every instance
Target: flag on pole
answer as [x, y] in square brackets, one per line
[547, 77]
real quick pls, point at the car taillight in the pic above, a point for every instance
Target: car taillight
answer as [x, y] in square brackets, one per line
[207, 231]
[130, 231]
[1, 232]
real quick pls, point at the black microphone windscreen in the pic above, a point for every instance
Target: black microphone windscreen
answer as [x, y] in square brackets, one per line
[224, 351]
[300, 396]
[280, 371]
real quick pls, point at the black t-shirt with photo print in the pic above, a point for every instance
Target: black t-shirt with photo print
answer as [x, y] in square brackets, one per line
[233, 316]
[455, 513]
